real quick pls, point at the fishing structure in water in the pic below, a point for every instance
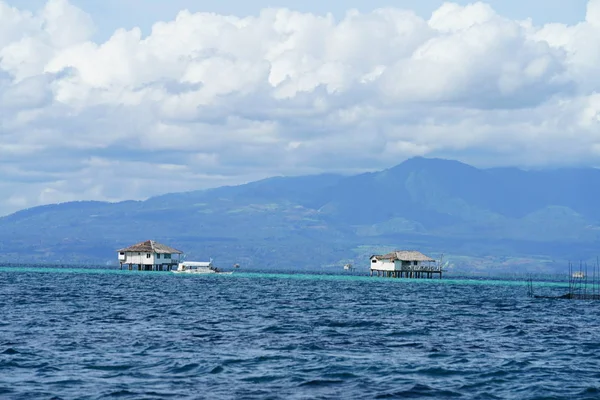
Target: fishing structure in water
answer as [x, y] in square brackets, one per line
[150, 256]
[582, 284]
[405, 264]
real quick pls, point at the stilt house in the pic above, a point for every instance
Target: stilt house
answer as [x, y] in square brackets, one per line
[403, 263]
[150, 256]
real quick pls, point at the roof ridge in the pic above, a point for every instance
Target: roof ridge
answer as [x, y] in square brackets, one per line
[151, 246]
[405, 255]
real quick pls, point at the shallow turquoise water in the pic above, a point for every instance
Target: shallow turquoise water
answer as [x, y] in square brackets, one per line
[106, 333]
[291, 275]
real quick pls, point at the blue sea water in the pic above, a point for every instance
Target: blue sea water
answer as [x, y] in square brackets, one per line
[101, 334]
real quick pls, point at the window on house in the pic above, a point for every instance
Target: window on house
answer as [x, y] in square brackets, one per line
[122, 253]
[147, 255]
[167, 256]
[415, 263]
[374, 261]
[157, 255]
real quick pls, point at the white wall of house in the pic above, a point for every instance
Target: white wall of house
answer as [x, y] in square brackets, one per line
[129, 257]
[389, 265]
[382, 265]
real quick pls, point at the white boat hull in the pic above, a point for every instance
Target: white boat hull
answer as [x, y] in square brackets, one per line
[197, 267]
[194, 271]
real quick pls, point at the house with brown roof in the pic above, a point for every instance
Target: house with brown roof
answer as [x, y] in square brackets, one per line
[149, 256]
[404, 263]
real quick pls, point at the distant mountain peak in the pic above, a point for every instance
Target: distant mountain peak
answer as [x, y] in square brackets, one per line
[433, 163]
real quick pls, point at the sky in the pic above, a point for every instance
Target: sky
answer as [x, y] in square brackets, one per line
[127, 99]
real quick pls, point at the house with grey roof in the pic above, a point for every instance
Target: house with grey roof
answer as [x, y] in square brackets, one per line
[405, 263]
[149, 256]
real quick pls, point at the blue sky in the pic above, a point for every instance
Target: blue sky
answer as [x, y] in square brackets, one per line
[93, 108]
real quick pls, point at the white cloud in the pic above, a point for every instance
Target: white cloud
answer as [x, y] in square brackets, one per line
[207, 99]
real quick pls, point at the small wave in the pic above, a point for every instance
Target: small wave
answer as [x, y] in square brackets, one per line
[233, 361]
[413, 345]
[341, 375]
[183, 368]
[591, 390]
[439, 372]
[410, 332]
[351, 324]
[67, 382]
[498, 373]
[109, 367]
[322, 382]
[257, 379]
[419, 391]
[121, 393]
[217, 370]
[516, 364]
[261, 359]
[277, 329]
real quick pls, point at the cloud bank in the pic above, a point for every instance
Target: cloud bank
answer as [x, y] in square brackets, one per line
[206, 100]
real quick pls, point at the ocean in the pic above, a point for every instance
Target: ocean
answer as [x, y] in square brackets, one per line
[80, 333]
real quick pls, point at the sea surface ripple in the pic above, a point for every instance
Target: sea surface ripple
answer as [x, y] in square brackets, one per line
[104, 334]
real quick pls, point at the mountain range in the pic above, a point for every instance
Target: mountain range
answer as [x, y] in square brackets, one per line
[506, 219]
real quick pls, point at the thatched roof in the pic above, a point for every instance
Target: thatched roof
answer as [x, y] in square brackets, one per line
[404, 255]
[150, 246]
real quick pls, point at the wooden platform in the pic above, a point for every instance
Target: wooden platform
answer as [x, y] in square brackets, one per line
[148, 267]
[423, 273]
